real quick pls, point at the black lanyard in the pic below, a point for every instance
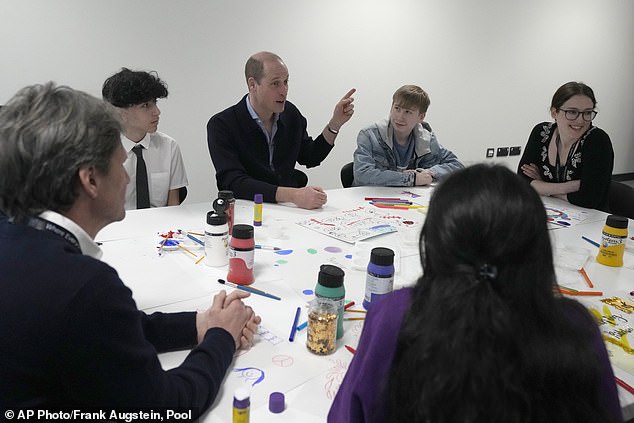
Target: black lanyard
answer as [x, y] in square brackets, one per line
[44, 225]
[561, 177]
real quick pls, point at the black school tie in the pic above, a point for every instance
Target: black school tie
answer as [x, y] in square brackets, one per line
[142, 190]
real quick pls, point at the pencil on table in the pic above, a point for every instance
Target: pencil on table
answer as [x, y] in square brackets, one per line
[581, 293]
[568, 289]
[589, 293]
[624, 385]
[355, 311]
[585, 276]
[162, 244]
[596, 244]
[354, 318]
[180, 246]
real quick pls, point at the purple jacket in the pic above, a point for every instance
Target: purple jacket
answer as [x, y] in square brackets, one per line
[358, 399]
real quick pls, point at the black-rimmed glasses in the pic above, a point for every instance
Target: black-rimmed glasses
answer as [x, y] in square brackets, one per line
[572, 114]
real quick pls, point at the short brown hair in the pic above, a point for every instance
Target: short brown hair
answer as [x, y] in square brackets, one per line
[255, 65]
[412, 97]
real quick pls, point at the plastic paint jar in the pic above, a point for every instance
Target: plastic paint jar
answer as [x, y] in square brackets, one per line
[380, 278]
[330, 286]
[216, 240]
[227, 206]
[321, 338]
[613, 241]
[241, 255]
[241, 406]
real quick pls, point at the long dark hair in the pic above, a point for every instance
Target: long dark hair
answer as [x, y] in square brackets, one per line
[485, 339]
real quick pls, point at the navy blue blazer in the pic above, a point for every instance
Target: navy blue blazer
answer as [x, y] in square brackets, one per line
[240, 153]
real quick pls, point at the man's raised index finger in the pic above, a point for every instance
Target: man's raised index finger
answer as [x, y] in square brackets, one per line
[349, 93]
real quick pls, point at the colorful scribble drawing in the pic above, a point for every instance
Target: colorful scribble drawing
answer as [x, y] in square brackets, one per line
[562, 216]
[334, 377]
[282, 360]
[175, 241]
[356, 224]
[168, 241]
[251, 375]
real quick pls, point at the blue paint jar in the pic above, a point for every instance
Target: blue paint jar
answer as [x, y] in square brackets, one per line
[330, 285]
[380, 278]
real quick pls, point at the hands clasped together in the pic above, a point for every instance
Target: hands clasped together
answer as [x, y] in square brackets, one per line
[230, 313]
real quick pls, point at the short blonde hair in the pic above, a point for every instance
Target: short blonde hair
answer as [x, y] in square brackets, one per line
[411, 97]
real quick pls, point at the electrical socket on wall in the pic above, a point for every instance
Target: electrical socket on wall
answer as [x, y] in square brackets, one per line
[503, 151]
[490, 152]
[515, 151]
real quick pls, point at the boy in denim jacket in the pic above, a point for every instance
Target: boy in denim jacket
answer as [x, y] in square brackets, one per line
[402, 150]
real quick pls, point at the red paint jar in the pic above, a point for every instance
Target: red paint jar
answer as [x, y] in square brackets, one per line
[241, 255]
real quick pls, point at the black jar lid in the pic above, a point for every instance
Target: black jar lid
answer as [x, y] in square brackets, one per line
[215, 219]
[220, 205]
[330, 276]
[225, 194]
[242, 231]
[382, 256]
[618, 222]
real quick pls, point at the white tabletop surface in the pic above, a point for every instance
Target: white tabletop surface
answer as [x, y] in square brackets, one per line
[173, 281]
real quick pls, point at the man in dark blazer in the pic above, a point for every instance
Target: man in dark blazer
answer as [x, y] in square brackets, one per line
[72, 336]
[255, 144]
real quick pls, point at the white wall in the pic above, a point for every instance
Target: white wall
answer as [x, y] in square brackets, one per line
[490, 66]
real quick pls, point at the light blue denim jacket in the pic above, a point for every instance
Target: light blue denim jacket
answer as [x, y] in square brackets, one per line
[375, 163]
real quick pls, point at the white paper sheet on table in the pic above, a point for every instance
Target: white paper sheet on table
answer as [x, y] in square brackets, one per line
[359, 223]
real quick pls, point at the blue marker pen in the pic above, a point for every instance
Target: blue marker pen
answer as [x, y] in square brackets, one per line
[294, 328]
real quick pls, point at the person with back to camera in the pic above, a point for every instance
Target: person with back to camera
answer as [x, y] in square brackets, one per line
[255, 144]
[134, 94]
[570, 158]
[482, 336]
[402, 150]
[73, 337]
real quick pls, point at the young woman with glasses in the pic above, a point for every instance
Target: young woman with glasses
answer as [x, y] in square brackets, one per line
[570, 158]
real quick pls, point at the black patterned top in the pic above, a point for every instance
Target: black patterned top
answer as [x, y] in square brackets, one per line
[590, 160]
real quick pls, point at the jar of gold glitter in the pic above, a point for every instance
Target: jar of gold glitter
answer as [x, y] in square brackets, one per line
[322, 326]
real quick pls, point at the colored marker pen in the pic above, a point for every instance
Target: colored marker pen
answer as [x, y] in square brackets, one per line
[291, 338]
[257, 210]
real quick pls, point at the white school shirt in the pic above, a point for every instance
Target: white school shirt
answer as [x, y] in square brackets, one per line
[164, 164]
